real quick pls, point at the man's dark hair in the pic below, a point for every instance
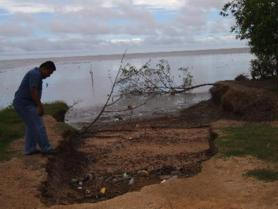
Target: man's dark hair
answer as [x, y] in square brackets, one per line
[49, 65]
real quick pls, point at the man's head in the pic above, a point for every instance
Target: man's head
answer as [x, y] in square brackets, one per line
[47, 68]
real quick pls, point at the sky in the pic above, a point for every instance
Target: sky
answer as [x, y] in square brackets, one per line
[113, 26]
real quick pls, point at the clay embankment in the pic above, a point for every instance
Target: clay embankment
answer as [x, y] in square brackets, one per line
[247, 100]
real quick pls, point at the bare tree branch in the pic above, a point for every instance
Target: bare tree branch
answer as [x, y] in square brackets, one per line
[144, 81]
[85, 129]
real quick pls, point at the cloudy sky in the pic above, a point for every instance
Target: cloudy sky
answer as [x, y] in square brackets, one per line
[112, 26]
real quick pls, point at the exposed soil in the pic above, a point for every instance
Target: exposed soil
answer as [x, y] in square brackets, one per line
[170, 153]
[127, 156]
[117, 158]
[248, 100]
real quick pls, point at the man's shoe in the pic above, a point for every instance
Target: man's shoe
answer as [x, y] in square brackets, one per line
[50, 152]
[33, 152]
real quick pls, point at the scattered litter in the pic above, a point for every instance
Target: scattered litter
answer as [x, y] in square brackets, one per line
[87, 191]
[163, 181]
[103, 190]
[125, 176]
[80, 188]
[131, 181]
[173, 178]
[165, 177]
[143, 173]
[80, 183]
[74, 180]
[88, 177]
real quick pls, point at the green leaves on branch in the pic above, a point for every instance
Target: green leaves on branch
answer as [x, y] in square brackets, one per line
[257, 21]
[153, 80]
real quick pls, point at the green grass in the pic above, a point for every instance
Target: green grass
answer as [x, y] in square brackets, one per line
[56, 109]
[263, 174]
[258, 140]
[66, 130]
[12, 127]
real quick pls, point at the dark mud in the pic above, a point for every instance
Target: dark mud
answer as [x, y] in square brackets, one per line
[124, 157]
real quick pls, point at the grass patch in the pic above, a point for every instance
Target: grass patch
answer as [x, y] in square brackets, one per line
[66, 130]
[258, 140]
[263, 174]
[12, 127]
[57, 110]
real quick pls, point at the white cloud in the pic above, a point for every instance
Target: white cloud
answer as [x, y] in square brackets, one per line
[165, 4]
[25, 7]
[112, 25]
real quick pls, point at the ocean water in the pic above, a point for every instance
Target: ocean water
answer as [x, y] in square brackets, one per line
[72, 82]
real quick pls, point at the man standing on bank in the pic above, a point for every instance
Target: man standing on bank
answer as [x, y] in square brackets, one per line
[27, 103]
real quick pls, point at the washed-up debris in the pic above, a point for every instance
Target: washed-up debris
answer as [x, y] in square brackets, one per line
[131, 181]
[88, 193]
[143, 173]
[163, 181]
[125, 176]
[74, 180]
[118, 117]
[175, 173]
[172, 178]
[103, 190]
[88, 177]
[168, 178]
[164, 177]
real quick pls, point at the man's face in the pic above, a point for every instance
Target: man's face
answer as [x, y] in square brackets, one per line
[46, 73]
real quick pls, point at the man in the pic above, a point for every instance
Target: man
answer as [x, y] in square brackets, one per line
[27, 103]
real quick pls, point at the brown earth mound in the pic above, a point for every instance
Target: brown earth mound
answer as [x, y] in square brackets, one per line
[250, 100]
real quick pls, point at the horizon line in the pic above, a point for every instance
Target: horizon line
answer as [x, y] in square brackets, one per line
[145, 54]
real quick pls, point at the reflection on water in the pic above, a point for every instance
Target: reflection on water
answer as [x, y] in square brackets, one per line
[71, 82]
[156, 106]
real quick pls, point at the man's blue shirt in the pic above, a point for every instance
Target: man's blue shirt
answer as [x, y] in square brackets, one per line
[32, 79]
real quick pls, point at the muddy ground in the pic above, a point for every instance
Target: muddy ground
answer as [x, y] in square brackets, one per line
[124, 157]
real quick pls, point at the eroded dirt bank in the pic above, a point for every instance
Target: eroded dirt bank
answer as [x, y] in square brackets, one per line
[148, 152]
[124, 157]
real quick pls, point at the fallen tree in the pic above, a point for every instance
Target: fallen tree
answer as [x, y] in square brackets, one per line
[147, 81]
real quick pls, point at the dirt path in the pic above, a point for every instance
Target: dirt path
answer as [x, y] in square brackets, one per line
[220, 184]
[21, 176]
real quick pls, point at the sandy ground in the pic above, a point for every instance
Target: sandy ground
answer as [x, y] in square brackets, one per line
[22, 175]
[220, 185]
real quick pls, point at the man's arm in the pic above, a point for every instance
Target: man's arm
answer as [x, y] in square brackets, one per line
[36, 99]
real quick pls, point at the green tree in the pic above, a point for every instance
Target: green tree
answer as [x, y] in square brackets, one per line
[257, 21]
